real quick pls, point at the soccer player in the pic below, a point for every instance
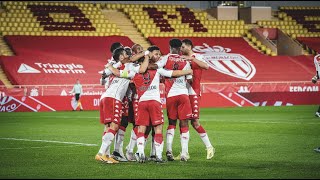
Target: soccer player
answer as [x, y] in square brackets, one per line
[317, 76]
[197, 65]
[77, 89]
[150, 108]
[105, 81]
[314, 80]
[114, 95]
[127, 103]
[177, 99]
[138, 55]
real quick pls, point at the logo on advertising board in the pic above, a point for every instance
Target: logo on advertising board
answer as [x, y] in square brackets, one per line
[232, 64]
[7, 104]
[27, 69]
[50, 68]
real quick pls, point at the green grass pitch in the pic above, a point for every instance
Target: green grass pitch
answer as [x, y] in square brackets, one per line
[256, 142]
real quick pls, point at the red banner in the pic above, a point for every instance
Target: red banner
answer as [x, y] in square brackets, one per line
[260, 87]
[206, 88]
[45, 103]
[221, 99]
[54, 60]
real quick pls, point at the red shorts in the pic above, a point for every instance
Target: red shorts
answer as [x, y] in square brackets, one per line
[195, 105]
[149, 111]
[110, 110]
[179, 107]
[101, 108]
[135, 104]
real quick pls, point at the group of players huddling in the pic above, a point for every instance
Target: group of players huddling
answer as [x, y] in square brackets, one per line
[132, 78]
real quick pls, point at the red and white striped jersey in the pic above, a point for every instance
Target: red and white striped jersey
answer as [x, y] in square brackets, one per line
[108, 72]
[175, 86]
[147, 84]
[195, 87]
[118, 86]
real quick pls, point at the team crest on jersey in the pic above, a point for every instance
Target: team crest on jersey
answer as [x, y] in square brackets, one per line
[232, 64]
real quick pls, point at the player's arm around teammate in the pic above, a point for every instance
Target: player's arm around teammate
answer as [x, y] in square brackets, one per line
[198, 64]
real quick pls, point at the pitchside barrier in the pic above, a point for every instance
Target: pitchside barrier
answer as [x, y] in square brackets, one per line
[38, 98]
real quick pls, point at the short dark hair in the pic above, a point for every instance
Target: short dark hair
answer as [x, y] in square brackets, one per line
[152, 48]
[128, 50]
[175, 43]
[188, 42]
[117, 52]
[115, 46]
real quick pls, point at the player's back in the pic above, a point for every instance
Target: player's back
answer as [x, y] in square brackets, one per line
[175, 86]
[196, 77]
[147, 85]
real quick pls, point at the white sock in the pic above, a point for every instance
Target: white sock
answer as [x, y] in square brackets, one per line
[121, 148]
[140, 145]
[108, 152]
[115, 142]
[169, 137]
[205, 139]
[159, 149]
[184, 142]
[118, 143]
[133, 141]
[106, 142]
[103, 148]
[158, 145]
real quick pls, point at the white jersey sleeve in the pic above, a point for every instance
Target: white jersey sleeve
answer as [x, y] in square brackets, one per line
[317, 63]
[129, 71]
[116, 65]
[200, 57]
[112, 61]
[162, 62]
[134, 67]
[166, 73]
[188, 67]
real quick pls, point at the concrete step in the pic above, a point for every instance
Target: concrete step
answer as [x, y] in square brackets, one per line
[7, 52]
[126, 26]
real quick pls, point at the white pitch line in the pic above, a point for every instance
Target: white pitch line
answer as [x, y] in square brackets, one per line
[261, 122]
[38, 147]
[67, 117]
[62, 142]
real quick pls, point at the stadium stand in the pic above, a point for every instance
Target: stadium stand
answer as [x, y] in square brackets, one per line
[80, 33]
[178, 20]
[298, 22]
[55, 19]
